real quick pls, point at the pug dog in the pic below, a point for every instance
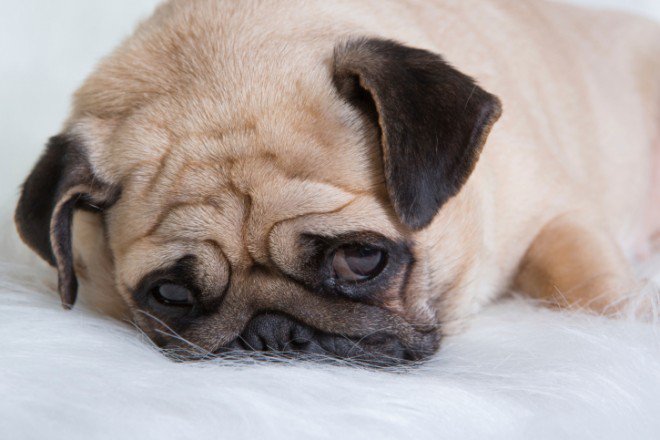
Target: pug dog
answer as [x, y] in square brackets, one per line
[352, 178]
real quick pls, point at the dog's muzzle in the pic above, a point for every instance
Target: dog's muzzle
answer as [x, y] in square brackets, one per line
[277, 335]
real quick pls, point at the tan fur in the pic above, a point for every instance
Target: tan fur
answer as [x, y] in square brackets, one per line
[559, 267]
[219, 121]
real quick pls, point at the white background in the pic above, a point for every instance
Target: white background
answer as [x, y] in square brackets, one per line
[48, 47]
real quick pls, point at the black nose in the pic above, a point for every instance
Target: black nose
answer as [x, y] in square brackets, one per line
[280, 334]
[276, 332]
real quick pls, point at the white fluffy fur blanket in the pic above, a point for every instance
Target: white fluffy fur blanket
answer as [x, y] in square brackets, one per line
[518, 372]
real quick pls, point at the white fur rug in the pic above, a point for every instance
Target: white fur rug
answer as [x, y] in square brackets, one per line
[518, 372]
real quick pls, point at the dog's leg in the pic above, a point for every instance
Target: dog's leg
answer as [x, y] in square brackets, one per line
[572, 265]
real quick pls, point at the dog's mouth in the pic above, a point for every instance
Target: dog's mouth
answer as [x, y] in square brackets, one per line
[275, 335]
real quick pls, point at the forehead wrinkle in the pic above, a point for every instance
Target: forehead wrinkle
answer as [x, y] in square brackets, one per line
[361, 214]
[205, 178]
[167, 211]
[203, 197]
[308, 175]
[196, 149]
[275, 197]
[269, 234]
[142, 141]
[162, 164]
[183, 168]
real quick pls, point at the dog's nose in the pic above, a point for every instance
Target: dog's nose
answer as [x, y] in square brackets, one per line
[277, 332]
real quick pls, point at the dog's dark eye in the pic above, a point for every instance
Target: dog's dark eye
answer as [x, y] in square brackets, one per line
[172, 295]
[357, 263]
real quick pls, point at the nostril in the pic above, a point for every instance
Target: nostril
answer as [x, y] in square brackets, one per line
[268, 332]
[299, 338]
[250, 341]
[299, 345]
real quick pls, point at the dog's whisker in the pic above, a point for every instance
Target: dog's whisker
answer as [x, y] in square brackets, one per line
[173, 334]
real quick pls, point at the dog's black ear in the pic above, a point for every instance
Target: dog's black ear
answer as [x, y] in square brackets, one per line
[61, 182]
[433, 120]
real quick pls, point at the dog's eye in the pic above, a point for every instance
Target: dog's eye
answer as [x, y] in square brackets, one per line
[172, 295]
[357, 263]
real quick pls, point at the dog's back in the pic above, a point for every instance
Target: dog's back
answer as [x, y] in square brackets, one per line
[581, 92]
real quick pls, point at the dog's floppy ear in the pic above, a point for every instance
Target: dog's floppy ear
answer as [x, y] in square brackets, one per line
[433, 120]
[61, 182]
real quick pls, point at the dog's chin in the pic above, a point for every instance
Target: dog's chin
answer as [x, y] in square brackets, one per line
[277, 336]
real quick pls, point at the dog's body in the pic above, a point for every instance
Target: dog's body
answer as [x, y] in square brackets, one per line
[229, 130]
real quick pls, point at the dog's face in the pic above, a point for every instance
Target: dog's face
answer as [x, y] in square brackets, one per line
[278, 214]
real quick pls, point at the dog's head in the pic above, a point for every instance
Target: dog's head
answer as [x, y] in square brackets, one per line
[268, 201]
